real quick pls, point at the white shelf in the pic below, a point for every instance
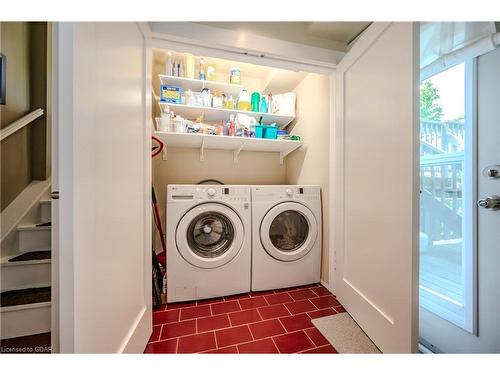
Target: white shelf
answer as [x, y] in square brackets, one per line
[197, 85]
[235, 144]
[191, 112]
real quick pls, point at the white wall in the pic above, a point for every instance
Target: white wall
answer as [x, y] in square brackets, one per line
[310, 164]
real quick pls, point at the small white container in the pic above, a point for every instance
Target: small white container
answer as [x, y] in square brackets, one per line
[194, 98]
[179, 125]
[165, 122]
[207, 98]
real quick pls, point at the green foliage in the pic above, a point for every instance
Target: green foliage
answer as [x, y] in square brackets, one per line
[429, 109]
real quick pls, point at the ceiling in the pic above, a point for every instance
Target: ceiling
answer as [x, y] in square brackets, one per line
[329, 35]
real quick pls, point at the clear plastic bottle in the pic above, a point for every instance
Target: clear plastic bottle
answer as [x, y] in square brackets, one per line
[230, 102]
[169, 66]
[181, 69]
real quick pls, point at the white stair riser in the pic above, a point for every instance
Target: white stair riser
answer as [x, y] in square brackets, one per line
[26, 321]
[30, 240]
[45, 212]
[24, 276]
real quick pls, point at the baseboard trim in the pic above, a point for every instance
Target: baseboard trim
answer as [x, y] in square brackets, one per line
[138, 336]
[325, 284]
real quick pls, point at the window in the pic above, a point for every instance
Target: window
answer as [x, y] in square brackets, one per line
[447, 195]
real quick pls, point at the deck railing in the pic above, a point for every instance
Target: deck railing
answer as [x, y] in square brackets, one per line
[441, 137]
[441, 179]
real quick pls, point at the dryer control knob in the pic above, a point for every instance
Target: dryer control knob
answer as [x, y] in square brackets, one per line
[211, 192]
[289, 192]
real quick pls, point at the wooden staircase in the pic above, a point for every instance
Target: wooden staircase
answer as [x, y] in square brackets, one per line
[25, 298]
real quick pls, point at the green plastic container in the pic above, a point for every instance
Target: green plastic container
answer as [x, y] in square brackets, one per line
[255, 102]
[259, 131]
[271, 132]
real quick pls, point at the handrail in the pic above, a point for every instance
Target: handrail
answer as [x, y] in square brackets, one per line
[442, 159]
[21, 123]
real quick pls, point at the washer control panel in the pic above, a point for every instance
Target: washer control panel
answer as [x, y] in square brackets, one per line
[203, 193]
[291, 192]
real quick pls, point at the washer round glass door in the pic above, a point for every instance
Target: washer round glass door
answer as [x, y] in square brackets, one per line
[209, 235]
[288, 231]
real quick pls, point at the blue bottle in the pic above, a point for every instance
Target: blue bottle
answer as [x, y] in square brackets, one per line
[263, 105]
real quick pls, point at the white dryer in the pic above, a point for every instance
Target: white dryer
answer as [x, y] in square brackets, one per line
[286, 236]
[208, 241]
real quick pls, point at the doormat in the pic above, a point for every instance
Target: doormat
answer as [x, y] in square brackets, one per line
[345, 335]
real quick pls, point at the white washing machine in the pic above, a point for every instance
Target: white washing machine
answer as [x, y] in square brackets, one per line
[286, 236]
[208, 241]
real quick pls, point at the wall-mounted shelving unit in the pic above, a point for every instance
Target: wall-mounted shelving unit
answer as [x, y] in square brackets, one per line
[235, 144]
[197, 85]
[210, 114]
[217, 115]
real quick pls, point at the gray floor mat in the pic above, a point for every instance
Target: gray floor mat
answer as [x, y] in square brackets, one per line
[344, 334]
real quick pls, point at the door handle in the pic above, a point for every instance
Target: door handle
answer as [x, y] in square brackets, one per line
[54, 195]
[492, 202]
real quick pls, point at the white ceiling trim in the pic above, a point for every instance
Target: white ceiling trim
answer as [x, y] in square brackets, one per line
[245, 47]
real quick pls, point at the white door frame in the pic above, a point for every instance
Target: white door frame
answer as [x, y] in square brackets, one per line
[54, 329]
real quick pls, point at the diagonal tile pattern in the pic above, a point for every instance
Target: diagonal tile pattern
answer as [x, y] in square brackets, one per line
[276, 321]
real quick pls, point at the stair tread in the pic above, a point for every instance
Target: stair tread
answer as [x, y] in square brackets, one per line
[39, 343]
[32, 255]
[24, 296]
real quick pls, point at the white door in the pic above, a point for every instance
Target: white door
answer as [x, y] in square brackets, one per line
[104, 177]
[376, 185]
[470, 284]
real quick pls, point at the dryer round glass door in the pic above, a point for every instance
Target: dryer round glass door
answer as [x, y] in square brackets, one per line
[288, 231]
[209, 235]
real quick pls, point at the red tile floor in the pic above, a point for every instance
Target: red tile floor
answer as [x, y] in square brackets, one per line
[277, 321]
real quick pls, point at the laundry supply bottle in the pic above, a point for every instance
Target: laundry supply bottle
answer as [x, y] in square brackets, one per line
[181, 69]
[255, 102]
[232, 128]
[263, 104]
[230, 102]
[174, 68]
[169, 66]
[189, 68]
[244, 101]
[201, 72]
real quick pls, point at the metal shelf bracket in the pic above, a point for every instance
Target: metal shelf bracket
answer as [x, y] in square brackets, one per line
[164, 154]
[202, 149]
[237, 152]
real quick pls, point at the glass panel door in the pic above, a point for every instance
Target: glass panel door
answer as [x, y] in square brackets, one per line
[447, 196]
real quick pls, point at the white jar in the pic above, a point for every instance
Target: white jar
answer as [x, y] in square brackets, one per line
[180, 125]
[165, 122]
[207, 98]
